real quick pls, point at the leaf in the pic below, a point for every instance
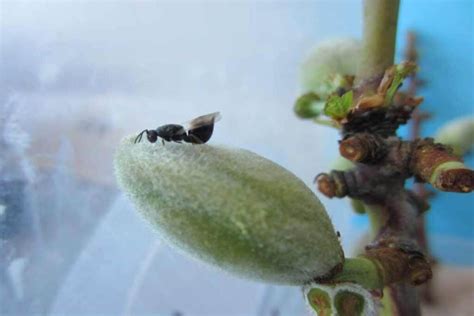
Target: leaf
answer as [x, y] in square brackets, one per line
[326, 122]
[369, 102]
[326, 67]
[337, 107]
[309, 105]
[402, 71]
[347, 99]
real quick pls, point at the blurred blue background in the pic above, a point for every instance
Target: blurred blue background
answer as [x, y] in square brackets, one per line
[77, 76]
[446, 34]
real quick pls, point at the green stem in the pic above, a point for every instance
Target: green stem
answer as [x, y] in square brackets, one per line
[361, 271]
[378, 45]
[377, 217]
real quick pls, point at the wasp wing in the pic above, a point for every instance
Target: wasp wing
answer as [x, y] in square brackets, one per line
[203, 120]
[200, 129]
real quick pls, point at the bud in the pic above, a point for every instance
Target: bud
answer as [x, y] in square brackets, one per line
[459, 134]
[328, 66]
[309, 105]
[231, 208]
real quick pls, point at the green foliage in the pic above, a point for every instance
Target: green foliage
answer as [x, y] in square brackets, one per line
[330, 67]
[326, 67]
[309, 105]
[337, 107]
[402, 71]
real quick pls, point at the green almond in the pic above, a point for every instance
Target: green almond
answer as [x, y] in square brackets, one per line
[231, 208]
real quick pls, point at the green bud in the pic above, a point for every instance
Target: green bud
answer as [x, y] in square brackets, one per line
[309, 105]
[337, 107]
[326, 68]
[459, 134]
[231, 208]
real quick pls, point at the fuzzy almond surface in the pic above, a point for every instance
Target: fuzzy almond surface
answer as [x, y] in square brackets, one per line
[231, 208]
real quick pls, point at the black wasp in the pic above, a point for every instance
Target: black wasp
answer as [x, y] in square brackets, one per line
[198, 131]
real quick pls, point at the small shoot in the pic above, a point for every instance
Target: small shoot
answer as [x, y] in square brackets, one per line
[337, 107]
[397, 73]
[309, 106]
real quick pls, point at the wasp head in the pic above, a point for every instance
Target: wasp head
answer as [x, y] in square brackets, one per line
[151, 135]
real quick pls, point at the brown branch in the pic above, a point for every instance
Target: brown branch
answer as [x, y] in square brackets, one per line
[418, 117]
[400, 265]
[380, 185]
[363, 147]
[333, 184]
[384, 162]
[436, 164]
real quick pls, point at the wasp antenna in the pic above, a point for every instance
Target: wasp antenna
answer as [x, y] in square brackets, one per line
[139, 137]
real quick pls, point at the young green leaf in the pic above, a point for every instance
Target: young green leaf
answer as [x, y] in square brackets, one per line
[337, 107]
[326, 67]
[309, 105]
[402, 71]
